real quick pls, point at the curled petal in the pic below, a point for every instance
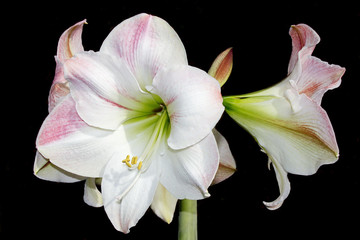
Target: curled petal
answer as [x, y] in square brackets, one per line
[311, 76]
[147, 43]
[222, 66]
[304, 39]
[70, 42]
[193, 101]
[284, 186]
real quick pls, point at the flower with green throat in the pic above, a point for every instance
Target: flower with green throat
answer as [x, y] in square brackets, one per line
[287, 120]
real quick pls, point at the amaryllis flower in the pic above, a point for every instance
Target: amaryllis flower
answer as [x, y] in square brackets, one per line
[287, 120]
[136, 115]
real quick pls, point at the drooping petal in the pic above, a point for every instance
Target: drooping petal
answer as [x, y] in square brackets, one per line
[311, 76]
[147, 43]
[164, 204]
[187, 173]
[92, 195]
[227, 165]
[71, 144]
[222, 66]
[45, 170]
[127, 193]
[105, 91]
[284, 186]
[193, 101]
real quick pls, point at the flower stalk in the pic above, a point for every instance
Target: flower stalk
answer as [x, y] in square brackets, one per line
[188, 220]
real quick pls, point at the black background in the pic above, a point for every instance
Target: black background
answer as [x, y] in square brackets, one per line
[319, 205]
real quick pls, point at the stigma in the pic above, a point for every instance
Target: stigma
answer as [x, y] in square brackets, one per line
[133, 163]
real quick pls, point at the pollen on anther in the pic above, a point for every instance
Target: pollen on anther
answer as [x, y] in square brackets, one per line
[134, 160]
[139, 165]
[127, 159]
[128, 164]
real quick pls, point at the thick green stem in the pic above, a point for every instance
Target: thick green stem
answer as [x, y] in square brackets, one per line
[188, 220]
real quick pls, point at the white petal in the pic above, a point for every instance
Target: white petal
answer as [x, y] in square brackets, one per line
[164, 204]
[193, 101]
[72, 145]
[127, 193]
[147, 43]
[301, 141]
[187, 173]
[105, 91]
[92, 195]
[45, 170]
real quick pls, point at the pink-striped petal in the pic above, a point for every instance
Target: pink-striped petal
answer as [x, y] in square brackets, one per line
[311, 76]
[193, 101]
[147, 43]
[71, 144]
[69, 44]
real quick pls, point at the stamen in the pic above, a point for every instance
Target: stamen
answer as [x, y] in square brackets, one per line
[128, 164]
[127, 159]
[132, 164]
[140, 165]
[134, 160]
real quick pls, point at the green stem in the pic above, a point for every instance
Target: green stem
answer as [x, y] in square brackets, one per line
[188, 220]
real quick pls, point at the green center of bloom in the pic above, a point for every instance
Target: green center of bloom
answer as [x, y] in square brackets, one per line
[160, 130]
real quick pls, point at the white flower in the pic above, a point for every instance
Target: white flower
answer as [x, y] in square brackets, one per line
[287, 120]
[137, 116]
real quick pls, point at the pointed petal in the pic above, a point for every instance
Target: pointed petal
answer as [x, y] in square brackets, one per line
[68, 142]
[105, 91]
[148, 44]
[187, 173]
[311, 76]
[45, 170]
[227, 166]
[70, 42]
[284, 187]
[193, 101]
[92, 195]
[164, 204]
[127, 193]
[222, 66]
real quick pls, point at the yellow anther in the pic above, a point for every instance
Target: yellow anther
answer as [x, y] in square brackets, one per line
[139, 165]
[134, 160]
[128, 164]
[127, 159]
